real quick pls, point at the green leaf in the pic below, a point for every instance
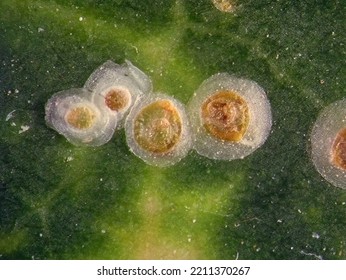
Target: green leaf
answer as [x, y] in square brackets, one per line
[58, 201]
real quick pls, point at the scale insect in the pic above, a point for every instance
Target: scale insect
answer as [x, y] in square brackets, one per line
[328, 143]
[117, 88]
[230, 117]
[72, 114]
[157, 130]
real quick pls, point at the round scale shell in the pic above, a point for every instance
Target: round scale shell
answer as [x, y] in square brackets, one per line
[157, 130]
[326, 136]
[127, 80]
[257, 121]
[72, 114]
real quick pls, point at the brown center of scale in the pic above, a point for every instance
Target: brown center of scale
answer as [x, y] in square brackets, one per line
[225, 116]
[339, 149]
[117, 99]
[80, 117]
[158, 127]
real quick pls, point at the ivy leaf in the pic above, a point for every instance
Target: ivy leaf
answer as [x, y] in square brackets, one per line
[58, 201]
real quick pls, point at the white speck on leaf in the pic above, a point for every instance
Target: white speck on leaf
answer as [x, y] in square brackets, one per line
[23, 128]
[10, 115]
[315, 235]
[69, 158]
[318, 257]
